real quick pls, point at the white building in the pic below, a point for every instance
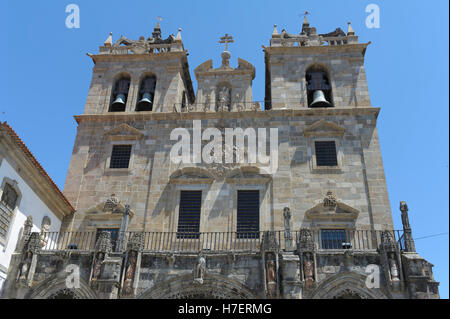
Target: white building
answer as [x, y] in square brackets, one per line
[25, 190]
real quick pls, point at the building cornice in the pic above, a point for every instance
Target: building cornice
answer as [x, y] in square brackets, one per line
[308, 50]
[33, 173]
[149, 116]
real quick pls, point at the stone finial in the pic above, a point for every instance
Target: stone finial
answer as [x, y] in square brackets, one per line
[305, 20]
[108, 41]
[275, 31]
[350, 30]
[178, 37]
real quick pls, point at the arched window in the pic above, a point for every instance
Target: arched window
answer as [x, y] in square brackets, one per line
[120, 94]
[318, 87]
[9, 197]
[146, 94]
[9, 200]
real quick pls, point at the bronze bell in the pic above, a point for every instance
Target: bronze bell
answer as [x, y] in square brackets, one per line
[119, 102]
[146, 102]
[319, 100]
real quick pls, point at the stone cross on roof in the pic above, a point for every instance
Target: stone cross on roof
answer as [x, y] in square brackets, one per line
[226, 39]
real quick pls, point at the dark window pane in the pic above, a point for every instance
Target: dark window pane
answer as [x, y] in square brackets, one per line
[120, 157]
[9, 196]
[189, 215]
[333, 238]
[248, 214]
[326, 153]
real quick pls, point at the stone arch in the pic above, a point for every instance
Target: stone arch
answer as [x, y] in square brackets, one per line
[213, 287]
[56, 286]
[347, 285]
[327, 70]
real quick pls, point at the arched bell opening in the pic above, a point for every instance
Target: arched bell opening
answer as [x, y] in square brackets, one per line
[146, 96]
[120, 94]
[318, 87]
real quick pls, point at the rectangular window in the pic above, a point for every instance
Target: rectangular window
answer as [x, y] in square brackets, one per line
[333, 238]
[189, 214]
[248, 214]
[114, 235]
[120, 157]
[326, 153]
[5, 220]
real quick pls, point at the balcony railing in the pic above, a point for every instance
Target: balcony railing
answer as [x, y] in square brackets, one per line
[324, 240]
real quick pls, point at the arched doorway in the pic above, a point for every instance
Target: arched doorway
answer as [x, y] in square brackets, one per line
[213, 287]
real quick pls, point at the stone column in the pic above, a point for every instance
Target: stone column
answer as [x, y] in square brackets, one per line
[123, 228]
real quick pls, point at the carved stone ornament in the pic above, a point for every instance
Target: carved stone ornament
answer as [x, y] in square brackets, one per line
[387, 241]
[269, 242]
[111, 204]
[308, 269]
[33, 244]
[103, 243]
[330, 200]
[305, 242]
[136, 242]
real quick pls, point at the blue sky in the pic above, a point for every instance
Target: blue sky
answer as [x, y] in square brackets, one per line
[48, 75]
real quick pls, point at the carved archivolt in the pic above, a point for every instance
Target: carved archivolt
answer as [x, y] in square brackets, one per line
[56, 287]
[213, 287]
[345, 285]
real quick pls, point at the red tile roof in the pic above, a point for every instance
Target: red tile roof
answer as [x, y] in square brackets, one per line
[30, 155]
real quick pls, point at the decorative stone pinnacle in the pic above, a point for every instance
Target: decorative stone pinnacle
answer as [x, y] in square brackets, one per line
[108, 41]
[350, 30]
[178, 37]
[275, 31]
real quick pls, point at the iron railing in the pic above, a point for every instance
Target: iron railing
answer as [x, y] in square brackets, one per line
[324, 240]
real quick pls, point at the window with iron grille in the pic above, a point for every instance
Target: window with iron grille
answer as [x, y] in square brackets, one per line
[9, 196]
[114, 235]
[5, 220]
[333, 238]
[120, 157]
[248, 214]
[326, 153]
[189, 214]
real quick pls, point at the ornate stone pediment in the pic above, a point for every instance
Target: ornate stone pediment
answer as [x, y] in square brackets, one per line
[124, 132]
[247, 175]
[332, 208]
[324, 128]
[111, 208]
[191, 175]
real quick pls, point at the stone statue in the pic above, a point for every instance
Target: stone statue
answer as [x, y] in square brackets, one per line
[224, 99]
[200, 269]
[130, 272]
[271, 279]
[287, 223]
[393, 268]
[308, 268]
[25, 266]
[45, 228]
[97, 265]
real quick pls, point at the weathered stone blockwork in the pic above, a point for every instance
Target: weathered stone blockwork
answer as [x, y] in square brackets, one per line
[300, 202]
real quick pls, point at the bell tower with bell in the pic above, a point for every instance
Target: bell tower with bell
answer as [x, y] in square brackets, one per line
[311, 70]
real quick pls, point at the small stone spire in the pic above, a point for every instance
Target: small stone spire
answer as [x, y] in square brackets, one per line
[157, 31]
[275, 31]
[350, 30]
[178, 37]
[305, 21]
[108, 41]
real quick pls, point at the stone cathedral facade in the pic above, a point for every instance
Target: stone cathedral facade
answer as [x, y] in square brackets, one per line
[317, 224]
